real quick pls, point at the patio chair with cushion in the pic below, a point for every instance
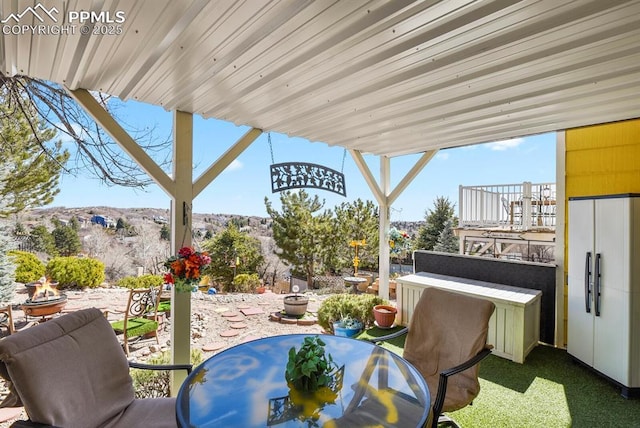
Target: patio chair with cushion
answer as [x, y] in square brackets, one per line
[71, 372]
[6, 319]
[446, 339]
[141, 316]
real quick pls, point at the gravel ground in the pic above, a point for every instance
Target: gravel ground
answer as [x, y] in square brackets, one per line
[212, 327]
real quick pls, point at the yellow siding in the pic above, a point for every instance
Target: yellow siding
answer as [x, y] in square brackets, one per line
[601, 160]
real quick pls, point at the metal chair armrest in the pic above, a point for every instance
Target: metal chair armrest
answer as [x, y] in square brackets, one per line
[398, 333]
[135, 365]
[444, 377]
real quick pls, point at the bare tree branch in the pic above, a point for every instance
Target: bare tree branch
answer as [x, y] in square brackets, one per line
[96, 153]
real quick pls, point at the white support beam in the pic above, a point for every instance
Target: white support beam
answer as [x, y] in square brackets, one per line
[368, 176]
[181, 203]
[225, 160]
[411, 175]
[122, 138]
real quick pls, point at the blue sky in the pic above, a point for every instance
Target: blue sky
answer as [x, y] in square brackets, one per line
[241, 188]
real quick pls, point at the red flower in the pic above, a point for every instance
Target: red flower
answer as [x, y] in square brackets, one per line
[185, 268]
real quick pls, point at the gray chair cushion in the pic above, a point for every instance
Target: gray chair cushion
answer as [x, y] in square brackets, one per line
[71, 372]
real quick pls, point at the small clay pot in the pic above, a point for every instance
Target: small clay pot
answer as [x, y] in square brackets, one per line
[384, 315]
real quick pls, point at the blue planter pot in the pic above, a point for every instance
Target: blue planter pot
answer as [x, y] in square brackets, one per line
[340, 330]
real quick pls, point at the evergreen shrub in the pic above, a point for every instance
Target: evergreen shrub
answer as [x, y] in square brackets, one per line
[29, 268]
[72, 272]
[245, 283]
[155, 383]
[356, 306]
[144, 281]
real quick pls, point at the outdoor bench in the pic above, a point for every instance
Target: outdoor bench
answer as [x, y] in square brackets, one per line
[514, 327]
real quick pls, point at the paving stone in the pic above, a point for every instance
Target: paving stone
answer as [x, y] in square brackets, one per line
[252, 311]
[238, 325]
[229, 333]
[230, 314]
[243, 306]
[221, 309]
[212, 347]
[236, 319]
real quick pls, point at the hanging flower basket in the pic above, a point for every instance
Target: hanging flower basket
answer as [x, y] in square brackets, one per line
[185, 269]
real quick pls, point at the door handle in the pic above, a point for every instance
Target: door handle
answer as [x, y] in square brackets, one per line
[597, 285]
[587, 282]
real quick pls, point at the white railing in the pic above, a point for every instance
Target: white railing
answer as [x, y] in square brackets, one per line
[522, 206]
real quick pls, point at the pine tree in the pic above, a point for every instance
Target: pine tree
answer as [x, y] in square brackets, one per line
[66, 240]
[42, 240]
[36, 162]
[447, 241]
[7, 266]
[165, 233]
[302, 232]
[232, 252]
[435, 220]
[355, 221]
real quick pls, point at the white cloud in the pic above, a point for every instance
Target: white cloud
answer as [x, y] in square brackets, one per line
[234, 165]
[505, 144]
[66, 138]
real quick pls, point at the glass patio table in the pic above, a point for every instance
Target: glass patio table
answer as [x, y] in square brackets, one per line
[245, 386]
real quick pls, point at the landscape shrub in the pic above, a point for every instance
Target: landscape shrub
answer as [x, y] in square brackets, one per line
[245, 283]
[155, 383]
[71, 272]
[144, 281]
[357, 306]
[28, 266]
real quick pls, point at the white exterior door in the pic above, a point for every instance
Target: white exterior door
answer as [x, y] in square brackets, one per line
[580, 281]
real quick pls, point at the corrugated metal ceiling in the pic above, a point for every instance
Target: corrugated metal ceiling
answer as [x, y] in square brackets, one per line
[383, 77]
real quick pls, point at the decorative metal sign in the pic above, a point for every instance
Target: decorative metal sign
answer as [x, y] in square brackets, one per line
[295, 175]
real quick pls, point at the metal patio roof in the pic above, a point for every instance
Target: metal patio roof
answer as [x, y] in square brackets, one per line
[383, 77]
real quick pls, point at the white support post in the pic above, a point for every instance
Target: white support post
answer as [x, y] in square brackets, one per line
[181, 203]
[383, 265]
[559, 251]
[385, 197]
[526, 205]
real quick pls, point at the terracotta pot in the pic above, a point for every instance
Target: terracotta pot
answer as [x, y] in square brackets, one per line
[384, 315]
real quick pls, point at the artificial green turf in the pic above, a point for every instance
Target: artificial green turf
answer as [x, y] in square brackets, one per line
[549, 390]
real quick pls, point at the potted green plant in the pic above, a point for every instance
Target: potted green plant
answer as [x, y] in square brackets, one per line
[314, 380]
[340, 306]
[347, 327]
[309, 368]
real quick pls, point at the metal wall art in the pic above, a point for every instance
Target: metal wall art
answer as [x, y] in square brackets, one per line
[295, 175]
